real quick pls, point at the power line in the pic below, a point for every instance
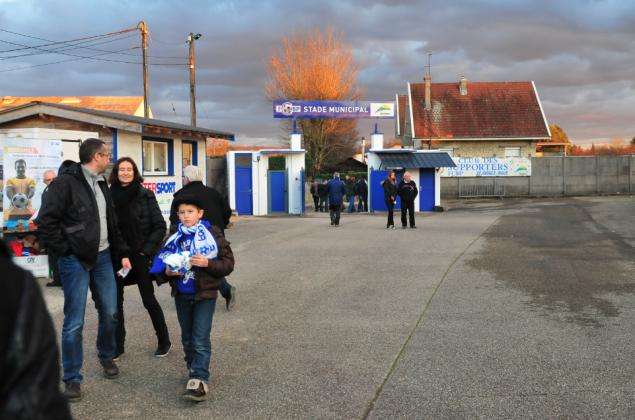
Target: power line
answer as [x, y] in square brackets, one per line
[60, 42]
[73, 47]
[92, 57]
[55, 62]
[82, 41]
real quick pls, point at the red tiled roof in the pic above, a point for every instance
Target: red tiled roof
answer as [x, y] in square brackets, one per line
[121, 104]
[490, 109]
[401, 106]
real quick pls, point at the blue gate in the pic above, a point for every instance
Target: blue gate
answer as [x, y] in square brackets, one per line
[426, 189]
[244, 198]
[277, 191]
[377, 191]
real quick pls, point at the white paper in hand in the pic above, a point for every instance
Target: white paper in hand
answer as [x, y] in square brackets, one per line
[123, 272]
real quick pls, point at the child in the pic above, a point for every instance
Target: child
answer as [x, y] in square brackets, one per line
[195, 286]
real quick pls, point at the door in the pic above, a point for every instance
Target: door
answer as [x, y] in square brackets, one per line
[244, 203]
[377, 202]
[426, 189]
[277, 191]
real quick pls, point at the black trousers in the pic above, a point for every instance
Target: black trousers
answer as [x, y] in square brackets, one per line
[316, 202]
[409, 207]
[391, 213]
[146, 289]
[362, 203]
[336, 210]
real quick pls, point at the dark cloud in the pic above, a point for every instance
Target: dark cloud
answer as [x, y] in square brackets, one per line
[579, 53]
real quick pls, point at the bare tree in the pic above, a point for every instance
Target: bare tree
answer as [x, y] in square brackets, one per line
[317, 65]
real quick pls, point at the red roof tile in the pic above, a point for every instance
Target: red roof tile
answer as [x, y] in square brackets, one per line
[490, 109]
[121, 104]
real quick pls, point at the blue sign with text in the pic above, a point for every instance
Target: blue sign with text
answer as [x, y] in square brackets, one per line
[283, 108]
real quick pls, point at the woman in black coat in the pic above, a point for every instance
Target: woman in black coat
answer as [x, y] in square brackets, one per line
[143, 228]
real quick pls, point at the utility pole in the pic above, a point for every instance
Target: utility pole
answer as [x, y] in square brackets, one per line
[144, 47]
[192, 65]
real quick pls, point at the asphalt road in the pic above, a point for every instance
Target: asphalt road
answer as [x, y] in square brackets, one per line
[510, 309]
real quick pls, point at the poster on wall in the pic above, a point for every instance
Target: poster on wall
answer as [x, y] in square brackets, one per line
[489, 166]
[24, 163]
[164, 191]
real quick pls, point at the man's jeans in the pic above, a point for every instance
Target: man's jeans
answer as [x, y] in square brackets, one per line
[195, 318]
[351, 204]
[75, 282]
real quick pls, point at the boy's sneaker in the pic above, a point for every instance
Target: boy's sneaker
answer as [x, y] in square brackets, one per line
[196, 390]
[111, 371]
[72, 391]
[163, 350]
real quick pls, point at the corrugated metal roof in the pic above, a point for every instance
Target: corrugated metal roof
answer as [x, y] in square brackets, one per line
[416, 160]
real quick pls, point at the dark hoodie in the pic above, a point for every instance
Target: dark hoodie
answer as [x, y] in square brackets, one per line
[69, 217]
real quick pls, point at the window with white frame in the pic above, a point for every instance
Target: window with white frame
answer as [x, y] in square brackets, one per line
[155, 158]
[511, 152]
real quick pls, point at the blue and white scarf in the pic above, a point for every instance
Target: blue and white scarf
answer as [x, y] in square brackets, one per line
[186, 242]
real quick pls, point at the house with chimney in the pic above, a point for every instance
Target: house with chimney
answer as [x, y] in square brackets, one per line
[472, 119]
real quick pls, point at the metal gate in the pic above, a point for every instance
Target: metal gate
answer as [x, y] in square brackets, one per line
[482, 188]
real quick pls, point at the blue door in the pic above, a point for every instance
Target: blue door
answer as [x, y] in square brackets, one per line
[377, 202]
[277, 192]
[244, 204]
[426, 189]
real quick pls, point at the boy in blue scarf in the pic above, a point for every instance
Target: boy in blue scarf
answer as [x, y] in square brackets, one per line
[194, 260]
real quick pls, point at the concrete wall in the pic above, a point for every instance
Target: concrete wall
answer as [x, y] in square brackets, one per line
[557, 176]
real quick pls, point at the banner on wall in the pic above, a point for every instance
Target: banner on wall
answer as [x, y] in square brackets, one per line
[24, 163]
[164, 191]
[283, 108]
[490, 166]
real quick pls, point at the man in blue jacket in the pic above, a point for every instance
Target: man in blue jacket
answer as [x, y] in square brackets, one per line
[336, 189]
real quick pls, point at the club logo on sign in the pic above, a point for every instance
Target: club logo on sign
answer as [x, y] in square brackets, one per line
[288, 108]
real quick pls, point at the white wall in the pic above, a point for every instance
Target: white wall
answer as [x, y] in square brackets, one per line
[416, 178]
[437, 187]
[295, 164]
[260, 188]
[231, 178]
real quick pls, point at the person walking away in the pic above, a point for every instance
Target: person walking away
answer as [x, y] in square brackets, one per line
[361, 189]
[407, 191]
[195, 286]
[48, 177]
[336, 191]
[29, 356]
[143, 228]
[323, 192]
[216, 211]
[350, 193]
[315, 194]
[78, 222]
[390, 197]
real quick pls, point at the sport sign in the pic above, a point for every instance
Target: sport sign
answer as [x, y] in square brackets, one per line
[283, 108]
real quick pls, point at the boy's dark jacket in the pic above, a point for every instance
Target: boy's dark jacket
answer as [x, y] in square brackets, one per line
[208, 279]
[69, 218]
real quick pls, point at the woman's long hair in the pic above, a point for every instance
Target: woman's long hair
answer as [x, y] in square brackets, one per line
[113, 179]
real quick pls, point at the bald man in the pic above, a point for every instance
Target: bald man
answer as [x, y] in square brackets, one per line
[48, 177]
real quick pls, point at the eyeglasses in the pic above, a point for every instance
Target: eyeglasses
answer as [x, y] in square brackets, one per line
[108, 155]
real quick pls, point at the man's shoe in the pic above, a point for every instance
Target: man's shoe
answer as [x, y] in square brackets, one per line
[163, 350]
[111, 371]
[404, 227]
[72, 391]
[196, 390]
[53, 284]
[230, 302]
[392, 227]
[413, 227]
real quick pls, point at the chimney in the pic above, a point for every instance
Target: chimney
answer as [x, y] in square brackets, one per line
[463, 86]
[427, 82]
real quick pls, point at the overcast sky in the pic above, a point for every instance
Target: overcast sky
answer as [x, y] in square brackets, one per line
[581, 54]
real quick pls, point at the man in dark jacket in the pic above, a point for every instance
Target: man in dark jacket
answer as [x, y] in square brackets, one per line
[78, 223]
[390, 197]
[350, 193]
[48, 177]
[216, 211]
[361, 189]
[407, 191]
[29, 356]
[336, 190]
[315, 194]
[323, 192]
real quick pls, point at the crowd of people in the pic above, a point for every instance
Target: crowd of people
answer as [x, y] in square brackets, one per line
[330, 195]
[103, 235]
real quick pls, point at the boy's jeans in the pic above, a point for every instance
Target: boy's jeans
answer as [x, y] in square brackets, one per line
[75, 282]
[195, 318]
